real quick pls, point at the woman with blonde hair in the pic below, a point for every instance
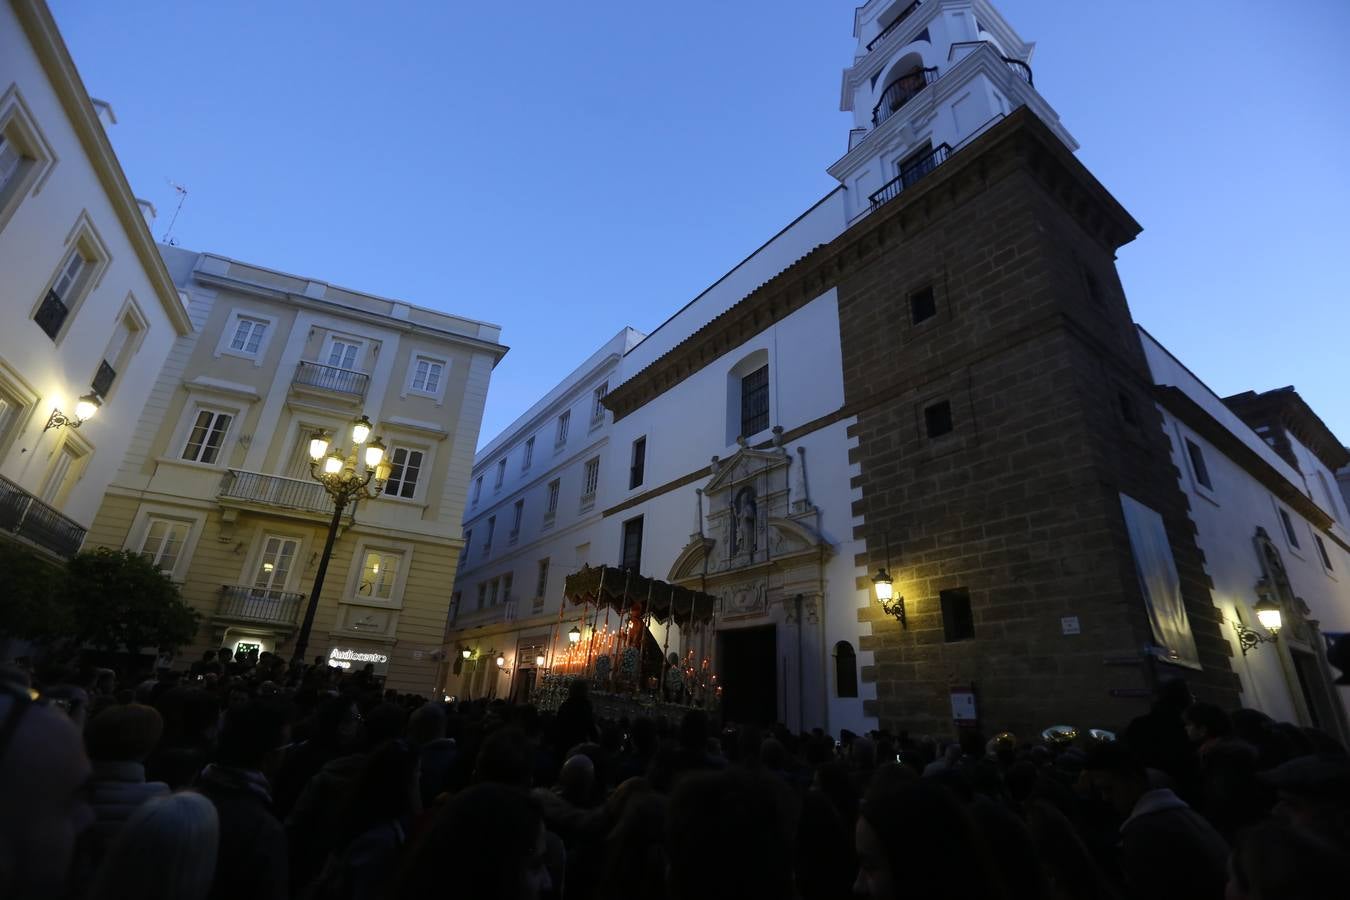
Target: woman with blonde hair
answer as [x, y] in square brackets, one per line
[166, 851]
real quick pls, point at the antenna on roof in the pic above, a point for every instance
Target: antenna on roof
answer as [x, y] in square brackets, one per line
[182, 195]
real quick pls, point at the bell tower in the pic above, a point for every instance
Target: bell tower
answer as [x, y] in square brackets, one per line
[928, 76]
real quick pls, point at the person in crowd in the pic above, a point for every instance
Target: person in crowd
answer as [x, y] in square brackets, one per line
[1279, 861]
[1206, 725]
[459, 853]
[435, 752]
[166, 851]
[43, 770]
[1160, 740]
[374, 827]
[191, 719]
[252, 861]
[914, 839]
[336, 728]
[575, 722]
[633, 855]
[1167, 850]
[118, 740]
[1313, 792]
[730, 835]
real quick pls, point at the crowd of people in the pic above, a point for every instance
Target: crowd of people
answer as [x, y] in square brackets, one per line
[243, 778]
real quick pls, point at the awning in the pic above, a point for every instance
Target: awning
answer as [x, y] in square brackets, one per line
[623, 590]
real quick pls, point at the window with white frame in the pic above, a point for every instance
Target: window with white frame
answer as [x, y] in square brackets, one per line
[516, 516]
[1288, 524]
[13, 406]
[64, 471]
[25, 156]
[125, 340]
[492, 530]
[72, 281]
[379, 574]
[163, 543]
[1322, 553]
[427, 374]
[344, 352]
[506, 587]
[590, 482]
[1199, 468]
[405, 469]
[248, 335]
[563, 421]
[477, 489]
[501, 474]
[597, 403]
[493, 585]
[206, 436]
[529, 455]
[275, 563]
[551, 507]
[482, 595]
[541, 580]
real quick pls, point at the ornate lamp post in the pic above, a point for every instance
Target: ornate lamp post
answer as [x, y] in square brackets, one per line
[347, 478]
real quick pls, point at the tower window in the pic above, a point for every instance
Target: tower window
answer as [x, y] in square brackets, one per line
[755, 401]
[1322, 552]
[632, 545]
[1289, 532]
[958, 622]
[637, 471]
[922, 305]
[1197, 457]
[937, 419]
[1127, 409]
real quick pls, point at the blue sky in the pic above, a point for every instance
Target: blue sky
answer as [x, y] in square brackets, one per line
[567, 169]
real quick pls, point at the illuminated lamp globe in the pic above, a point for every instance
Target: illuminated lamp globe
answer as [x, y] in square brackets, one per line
[539, 660]
[466, 653]
[885, 586]
[318, 445]
[574, 636]
[1269, 615]
[86, 406]
[361, 430]
[375, 453]
[501, 661]
[332, 465]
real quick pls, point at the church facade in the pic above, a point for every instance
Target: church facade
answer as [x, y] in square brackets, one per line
[926, 389]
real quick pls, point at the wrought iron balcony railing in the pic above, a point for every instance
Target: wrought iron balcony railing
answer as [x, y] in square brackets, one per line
[28, 517]
[900, 92]
[332, 378]
[250, 604]
[51, 315]
[911, 172]
[886, 32]
[104, 378]
[275, 490]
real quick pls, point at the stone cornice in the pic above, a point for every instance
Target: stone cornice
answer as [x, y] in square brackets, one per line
[1020, 141]
[46, 41]
[329, 307]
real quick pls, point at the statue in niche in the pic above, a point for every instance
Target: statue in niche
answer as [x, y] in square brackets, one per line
[744, 511]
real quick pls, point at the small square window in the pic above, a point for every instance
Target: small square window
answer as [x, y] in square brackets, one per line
[958, 622]
[922, 305]
[1094, 287]
[937, 419]
[1198, 466]
[426, 375]
[1127, 409]
[206, 436]
[405, 467]
[248, 335]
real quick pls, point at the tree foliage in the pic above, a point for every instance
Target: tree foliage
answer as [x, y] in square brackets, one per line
[107, 599]
[119, 599]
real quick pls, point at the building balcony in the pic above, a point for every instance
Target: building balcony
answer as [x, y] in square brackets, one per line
[29, 518]
[274, 492]
[347, 383]
[239, 603]
[900, 92]
[886, 32]
[912, 171]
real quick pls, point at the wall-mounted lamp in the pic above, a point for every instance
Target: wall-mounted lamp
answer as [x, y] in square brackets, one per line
[539, 660]
[574, 636]
[1271, 618]
[466, 653]
[891, 604]
[85, 408]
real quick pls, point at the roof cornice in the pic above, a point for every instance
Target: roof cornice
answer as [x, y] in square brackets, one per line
[1020, 141]
[45, 39]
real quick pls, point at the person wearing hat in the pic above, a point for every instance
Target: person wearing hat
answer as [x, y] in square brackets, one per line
[1313, 792]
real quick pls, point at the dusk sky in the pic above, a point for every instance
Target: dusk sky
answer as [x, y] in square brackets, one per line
[564, 170]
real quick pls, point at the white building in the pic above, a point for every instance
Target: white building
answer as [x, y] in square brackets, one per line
[1259, 473]
[87, 308]
[737, 480]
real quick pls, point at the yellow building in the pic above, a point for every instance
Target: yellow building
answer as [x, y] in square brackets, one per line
[216, 486]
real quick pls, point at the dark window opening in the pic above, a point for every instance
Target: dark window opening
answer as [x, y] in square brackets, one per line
[1094, 287]
[1127, 409]
[922, 305]
[632, 545]
[1198, 464]
[845, 670]
[755, 401]
[51, 315]
[958, 622]
[1322, 552]
[637, 471]
[938, 419]
[1289, 529]
[104, 378]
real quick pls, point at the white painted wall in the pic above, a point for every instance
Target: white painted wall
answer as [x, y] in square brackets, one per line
[33, 243]
[1226, 519]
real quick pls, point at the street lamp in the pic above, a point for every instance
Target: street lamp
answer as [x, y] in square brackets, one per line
[1268, 613]
[346, 478]
[85, 408]
[884, 585]
[466, 653]
[574, 636]
[539, 660]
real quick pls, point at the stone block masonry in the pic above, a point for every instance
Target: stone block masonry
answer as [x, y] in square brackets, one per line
[1033, 352]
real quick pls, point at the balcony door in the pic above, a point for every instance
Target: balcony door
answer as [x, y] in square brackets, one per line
[343, 352]
[274, 566]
